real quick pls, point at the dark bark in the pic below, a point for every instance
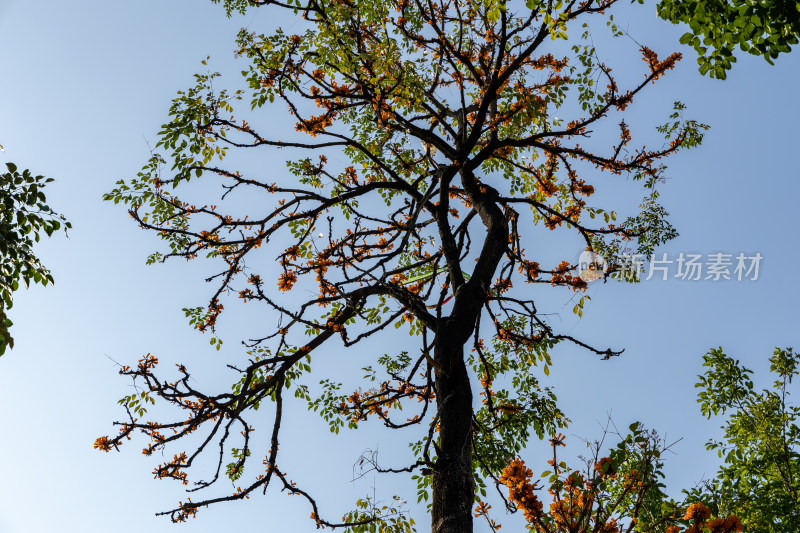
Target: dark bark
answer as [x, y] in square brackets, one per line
[453, 485]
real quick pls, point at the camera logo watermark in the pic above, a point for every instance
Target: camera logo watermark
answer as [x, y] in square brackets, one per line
[591, 266]
[685, 266]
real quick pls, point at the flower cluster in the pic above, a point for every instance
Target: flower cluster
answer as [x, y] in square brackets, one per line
[517, 478]
[700, 514]
[607, 497]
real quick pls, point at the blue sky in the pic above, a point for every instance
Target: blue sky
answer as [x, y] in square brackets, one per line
[84, 87]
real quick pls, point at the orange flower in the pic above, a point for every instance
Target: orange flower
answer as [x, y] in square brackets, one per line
[697, 511]
[610, 527]
[287, 280]
[517, 478]
[605, 466]
[726, 525]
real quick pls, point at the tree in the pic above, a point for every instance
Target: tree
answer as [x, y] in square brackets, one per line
[766, 28]
[444, 115]
[622, 491]
[24, 216]
[760, 478]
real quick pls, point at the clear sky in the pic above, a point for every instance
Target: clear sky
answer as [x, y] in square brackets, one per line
[84, 86]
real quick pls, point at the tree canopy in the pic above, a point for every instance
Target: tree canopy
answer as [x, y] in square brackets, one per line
[428, 156]
[759, 480]
[24, 217]
[765, 28]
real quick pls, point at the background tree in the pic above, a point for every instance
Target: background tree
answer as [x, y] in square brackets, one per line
[24, 216]
[766, 28]
[440, 119]
[622, 491]
[760, 478]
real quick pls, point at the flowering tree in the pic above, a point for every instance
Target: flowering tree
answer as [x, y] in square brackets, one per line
[620, 492]
[441, 119]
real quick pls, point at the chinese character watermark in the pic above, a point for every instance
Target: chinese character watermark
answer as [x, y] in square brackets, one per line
[718, 266]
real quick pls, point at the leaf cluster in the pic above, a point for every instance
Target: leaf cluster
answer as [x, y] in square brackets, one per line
[765, 28]
[759, 479]
[24, 218]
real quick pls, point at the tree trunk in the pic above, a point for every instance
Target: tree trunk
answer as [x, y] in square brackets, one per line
[452, 483]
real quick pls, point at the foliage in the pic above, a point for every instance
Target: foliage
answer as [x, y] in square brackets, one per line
[621, 491]
[765, 28]
[426, 159]
[760, 478]
[24, 217]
